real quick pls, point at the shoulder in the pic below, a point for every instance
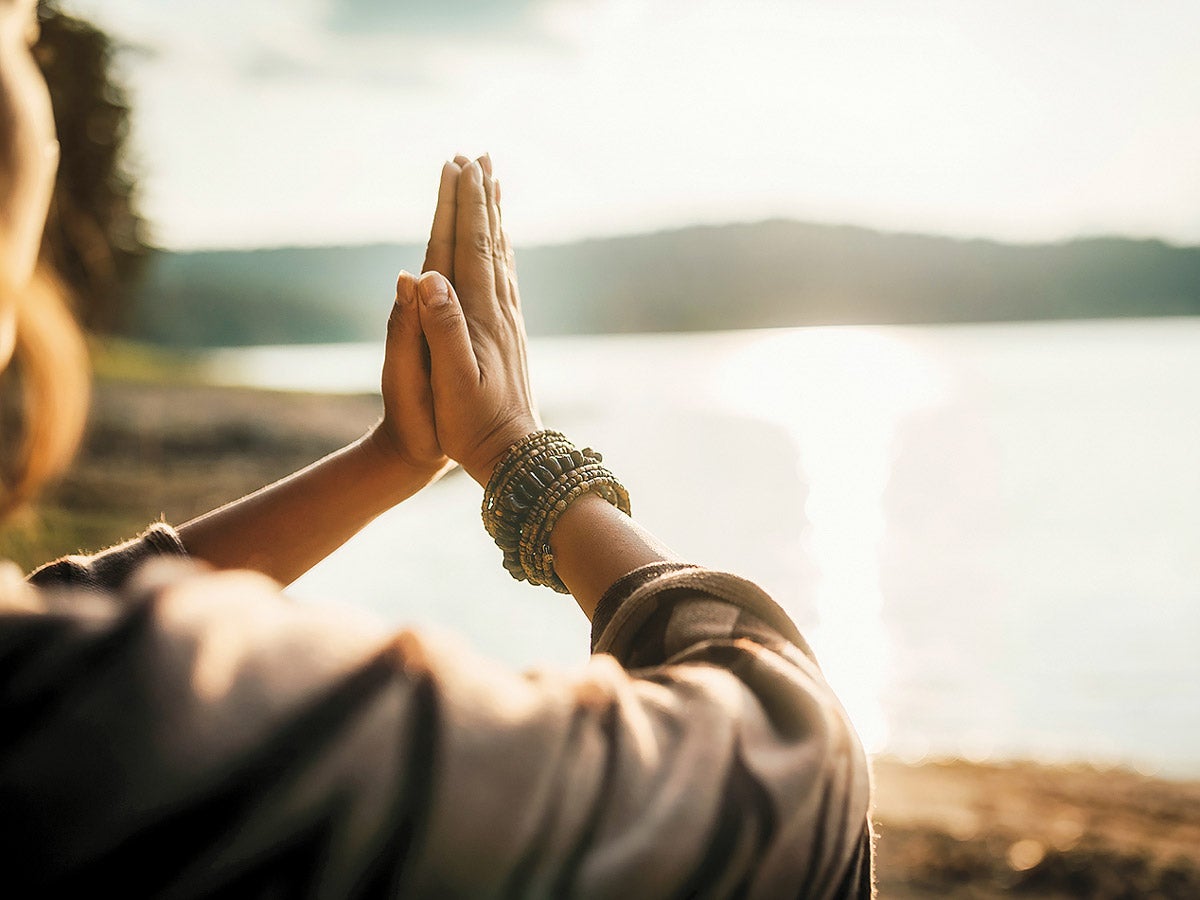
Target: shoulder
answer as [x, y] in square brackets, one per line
[176, 712]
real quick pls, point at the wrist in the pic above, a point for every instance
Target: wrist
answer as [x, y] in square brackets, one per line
[538, 480]
[497, 447]
[395, 473]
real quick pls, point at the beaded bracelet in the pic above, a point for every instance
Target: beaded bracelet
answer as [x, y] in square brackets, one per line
[526, 505]
[507, 504]
[535, 536]
[528, 546]
[508, 490]
[537, 479]
[542, 558]
[510, 502]
[511, 464]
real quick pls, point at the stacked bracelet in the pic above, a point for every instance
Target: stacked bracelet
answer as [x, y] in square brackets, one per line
[540, 476]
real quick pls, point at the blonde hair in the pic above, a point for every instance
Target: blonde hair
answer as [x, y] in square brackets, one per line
[50, 365]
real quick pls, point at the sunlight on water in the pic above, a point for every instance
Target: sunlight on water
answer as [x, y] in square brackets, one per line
[988, 531]
[840, 393]
[333, 368]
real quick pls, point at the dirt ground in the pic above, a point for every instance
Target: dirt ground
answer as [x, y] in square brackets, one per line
[175, 452]
[958, 829]
[948, 829]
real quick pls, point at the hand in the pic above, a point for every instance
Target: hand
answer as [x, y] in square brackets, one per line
[407, 428]
[482, 400]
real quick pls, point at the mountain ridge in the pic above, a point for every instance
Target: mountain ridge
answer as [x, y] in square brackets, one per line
[705, 277]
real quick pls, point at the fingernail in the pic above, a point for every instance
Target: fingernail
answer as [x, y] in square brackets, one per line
[404, 287]
[433, 289]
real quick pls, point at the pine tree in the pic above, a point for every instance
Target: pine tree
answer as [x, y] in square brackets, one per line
[95, 237]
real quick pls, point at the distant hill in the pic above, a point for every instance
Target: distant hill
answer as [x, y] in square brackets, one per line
[734, 276]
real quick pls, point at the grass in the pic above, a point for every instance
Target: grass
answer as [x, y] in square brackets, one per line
[43, 533]
[129, 362]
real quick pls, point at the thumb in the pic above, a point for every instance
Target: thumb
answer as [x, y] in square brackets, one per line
[451, 357]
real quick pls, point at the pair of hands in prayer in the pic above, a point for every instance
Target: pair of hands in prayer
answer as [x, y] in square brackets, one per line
[455, 378]
[455, 386]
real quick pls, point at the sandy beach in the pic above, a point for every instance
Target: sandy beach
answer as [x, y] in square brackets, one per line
[945, 829]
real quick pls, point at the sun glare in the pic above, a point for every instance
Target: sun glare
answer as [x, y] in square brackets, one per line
[841, 393]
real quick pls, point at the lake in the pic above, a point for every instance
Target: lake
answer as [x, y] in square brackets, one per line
[989, 533]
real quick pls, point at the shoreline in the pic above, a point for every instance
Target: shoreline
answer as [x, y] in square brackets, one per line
[946, 828]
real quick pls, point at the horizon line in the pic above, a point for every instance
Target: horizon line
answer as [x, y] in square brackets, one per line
[1081, 237]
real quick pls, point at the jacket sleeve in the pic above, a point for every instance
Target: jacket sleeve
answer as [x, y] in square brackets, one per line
[110, 569]
[201, 736]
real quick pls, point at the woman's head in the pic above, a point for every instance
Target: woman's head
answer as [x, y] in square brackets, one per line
[33, 320]
[28, 149]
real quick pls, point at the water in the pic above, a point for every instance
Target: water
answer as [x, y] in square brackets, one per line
[989, 532]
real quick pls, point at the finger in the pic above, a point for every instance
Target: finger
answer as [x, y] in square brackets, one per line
[452, 362]
[505, 247]
[461, 161]
[474, 269]
[406, 387]
[510, 261]
[439, 253]
[485, 163]
[499, 264]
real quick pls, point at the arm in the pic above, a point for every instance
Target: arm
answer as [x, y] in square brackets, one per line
[716, 728]
[700, 752]
[286, 528]
[595, 544]
[221, 741]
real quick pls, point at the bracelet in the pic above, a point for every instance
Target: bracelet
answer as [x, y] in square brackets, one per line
[511, 497]
[525, 474]
[539, 477]
[542, 559]
[510, 472]
[535, 537]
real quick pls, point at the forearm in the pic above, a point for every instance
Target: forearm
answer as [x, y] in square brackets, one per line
[286, 528]
[594, 544]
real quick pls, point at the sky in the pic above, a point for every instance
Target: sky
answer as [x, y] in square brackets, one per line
[272, 122]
